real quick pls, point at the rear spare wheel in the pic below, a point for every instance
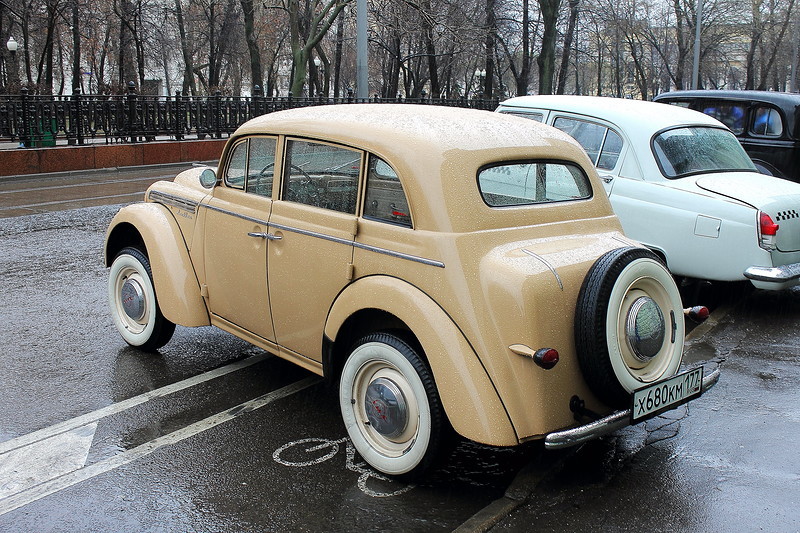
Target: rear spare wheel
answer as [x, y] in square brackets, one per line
[629, 326]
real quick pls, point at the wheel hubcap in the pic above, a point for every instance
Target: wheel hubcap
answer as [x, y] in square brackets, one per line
[133, 301]
[645, 328]
[386, 408]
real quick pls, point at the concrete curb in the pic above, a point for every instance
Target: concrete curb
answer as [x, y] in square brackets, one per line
[518, 492]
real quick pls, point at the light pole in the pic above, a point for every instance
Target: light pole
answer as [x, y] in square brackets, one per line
[696, 63]
[318, 74]
[13, 75]
[481, 75]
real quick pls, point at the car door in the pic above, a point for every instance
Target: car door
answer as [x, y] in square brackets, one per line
[314, 223]
[236, 238]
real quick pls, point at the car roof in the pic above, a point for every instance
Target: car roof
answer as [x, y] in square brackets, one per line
[439, 148]
[625, 113]
[788, 101]
[382, 126]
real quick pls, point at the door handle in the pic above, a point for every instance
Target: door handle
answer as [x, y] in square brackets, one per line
[606, 178]
[262, 235]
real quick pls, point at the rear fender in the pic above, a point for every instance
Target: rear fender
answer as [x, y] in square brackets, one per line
[470, 400]
[153, 227]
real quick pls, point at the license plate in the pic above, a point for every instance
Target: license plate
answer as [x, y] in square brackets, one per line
[666, 394]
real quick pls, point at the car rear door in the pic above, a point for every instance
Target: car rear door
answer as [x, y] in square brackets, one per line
[310, 259]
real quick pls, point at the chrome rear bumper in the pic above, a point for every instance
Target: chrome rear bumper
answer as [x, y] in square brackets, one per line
[780, 274]
[606, 425]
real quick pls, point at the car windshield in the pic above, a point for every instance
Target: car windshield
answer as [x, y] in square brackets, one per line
[692, 150]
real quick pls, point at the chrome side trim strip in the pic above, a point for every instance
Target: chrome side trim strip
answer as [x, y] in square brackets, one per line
[331, 238]
[400, 255]
[609, 424]
[170, 199]
[237, 215]
[548, 265]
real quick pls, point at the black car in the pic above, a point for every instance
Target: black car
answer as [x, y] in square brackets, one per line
[766, 123]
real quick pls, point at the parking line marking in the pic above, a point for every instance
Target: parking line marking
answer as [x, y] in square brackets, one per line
[68, 480]
[47, 459]
[118, 407]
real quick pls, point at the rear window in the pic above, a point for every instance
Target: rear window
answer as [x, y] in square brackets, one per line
[684, 151]
[532, 182]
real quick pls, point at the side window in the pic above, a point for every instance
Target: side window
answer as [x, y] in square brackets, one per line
[538, 117]
[237, 166]
[532, 182]
[612, 147]
[321, 175]
[261, 166]
[385, 198]
[767, 122]
[732, 115]
[602, 144]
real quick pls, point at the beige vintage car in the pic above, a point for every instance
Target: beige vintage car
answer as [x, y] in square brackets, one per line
[449, 269]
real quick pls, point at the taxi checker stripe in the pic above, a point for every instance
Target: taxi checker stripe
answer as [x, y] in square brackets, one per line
[339, 240]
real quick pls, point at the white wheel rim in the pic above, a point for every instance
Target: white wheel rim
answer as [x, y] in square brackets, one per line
[135, 330]
[390, 453]
[649, 279]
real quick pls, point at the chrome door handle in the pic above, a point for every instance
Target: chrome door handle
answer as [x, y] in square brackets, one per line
[606, 178]
[268, 236]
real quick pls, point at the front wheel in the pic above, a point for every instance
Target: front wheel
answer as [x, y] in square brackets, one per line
[134, 307]
[390, 406]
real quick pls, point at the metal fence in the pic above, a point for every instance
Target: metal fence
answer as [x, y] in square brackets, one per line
[39, 121]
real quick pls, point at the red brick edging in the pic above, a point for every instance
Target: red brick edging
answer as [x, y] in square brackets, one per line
[65, 158]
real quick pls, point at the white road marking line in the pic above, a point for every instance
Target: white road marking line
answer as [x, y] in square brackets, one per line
[47, 459]
[118, 407]
[68, 480]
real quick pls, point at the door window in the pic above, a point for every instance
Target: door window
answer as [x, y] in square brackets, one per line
[767, 122]
[602, 144]
[251, 166]
[321, 175]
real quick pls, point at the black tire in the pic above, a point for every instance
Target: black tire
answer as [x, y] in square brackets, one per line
[134, 306]
[628, 291]
[402, 430]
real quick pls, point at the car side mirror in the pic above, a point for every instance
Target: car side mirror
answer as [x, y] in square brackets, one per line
[208, 178]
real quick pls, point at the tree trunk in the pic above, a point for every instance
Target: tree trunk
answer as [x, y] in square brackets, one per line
[256, 75]
[189, 84]
[564, 69]
[547, 57]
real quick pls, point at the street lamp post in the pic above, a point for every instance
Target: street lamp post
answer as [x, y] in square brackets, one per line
[13, 75]
[318, 74]
[481, 75]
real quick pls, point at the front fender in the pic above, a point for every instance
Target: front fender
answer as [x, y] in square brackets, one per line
[469, 398]
[154, 227]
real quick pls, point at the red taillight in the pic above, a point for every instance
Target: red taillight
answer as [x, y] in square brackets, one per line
[546, 358]
[767, 231]
[768, 227]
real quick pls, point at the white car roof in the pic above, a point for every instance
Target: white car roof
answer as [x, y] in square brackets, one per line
[637, 118]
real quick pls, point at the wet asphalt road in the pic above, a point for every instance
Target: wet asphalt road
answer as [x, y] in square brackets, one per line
[216, 435]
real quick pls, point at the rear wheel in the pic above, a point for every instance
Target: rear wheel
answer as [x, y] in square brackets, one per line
[134, 307]
[390, 406]
[629, 327]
